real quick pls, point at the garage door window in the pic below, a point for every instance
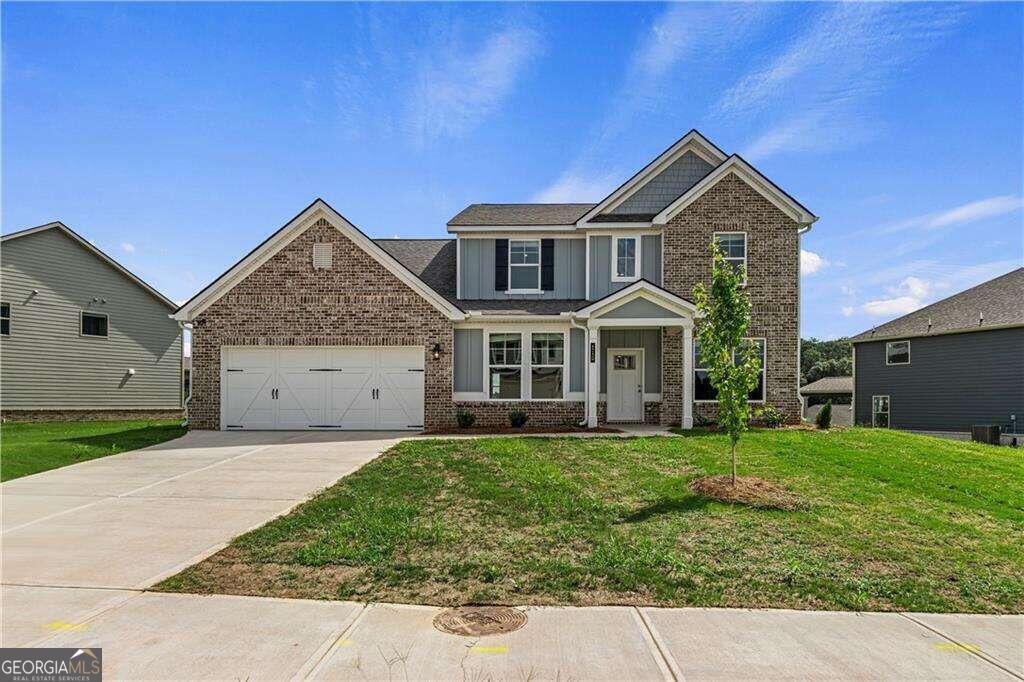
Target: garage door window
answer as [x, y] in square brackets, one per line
[505, 368]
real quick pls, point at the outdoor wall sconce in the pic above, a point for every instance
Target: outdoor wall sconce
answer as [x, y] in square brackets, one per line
[436, 350]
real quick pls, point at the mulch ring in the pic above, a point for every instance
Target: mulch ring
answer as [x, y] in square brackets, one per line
[500, 430]
[748, 490]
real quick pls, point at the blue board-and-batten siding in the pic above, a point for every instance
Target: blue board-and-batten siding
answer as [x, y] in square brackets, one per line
[601, 283]
[469, 360]
[476, 265]
[953, 381]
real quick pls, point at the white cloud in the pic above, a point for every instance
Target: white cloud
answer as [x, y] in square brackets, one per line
[570, 187]
[811, 262]
[817, 93]
[127, 247]
[961, 215]
[905, 298]
[848, 310]
[458, 87]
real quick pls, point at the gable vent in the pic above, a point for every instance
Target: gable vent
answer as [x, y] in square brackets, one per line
[323, 255]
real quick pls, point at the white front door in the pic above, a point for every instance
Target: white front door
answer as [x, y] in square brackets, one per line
[323, 388]
[625, 385]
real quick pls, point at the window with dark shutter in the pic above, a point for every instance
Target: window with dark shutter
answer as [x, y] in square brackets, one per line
[501, 265]
[547, 264]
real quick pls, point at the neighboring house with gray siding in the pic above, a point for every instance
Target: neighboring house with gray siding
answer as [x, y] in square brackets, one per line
[578, 313]
[82, 337]
[950, 365]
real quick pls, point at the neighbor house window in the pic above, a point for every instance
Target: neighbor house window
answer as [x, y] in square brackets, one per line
[5, 319]
[547, 358]
[733, 246]
[94, 324]
[702, 388]
[505, 358]
[897, 353]
[625, 259]
[880, 411]
[524, 265]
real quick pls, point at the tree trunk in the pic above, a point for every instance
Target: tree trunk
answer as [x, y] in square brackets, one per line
[734, 462]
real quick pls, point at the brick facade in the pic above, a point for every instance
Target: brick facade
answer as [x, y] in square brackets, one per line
[773, 279]
[540, 412]
[285, 302]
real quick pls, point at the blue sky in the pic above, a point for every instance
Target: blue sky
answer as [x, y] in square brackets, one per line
[177, 137]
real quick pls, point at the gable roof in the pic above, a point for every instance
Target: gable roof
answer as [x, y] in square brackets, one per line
[828, 385]
[993, 304]
[514, 215]
[691, 141]
[432, 260]
[282, 237]
[735, 164]
[641, 288]
[96, 251]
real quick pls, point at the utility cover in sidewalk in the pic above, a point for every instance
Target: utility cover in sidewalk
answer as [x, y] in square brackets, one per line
[476, 621]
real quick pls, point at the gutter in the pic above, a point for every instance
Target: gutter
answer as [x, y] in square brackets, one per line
[586, 369]
[184, 404]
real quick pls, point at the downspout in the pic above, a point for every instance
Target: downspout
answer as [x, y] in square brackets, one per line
[586, 371]
[181, 375]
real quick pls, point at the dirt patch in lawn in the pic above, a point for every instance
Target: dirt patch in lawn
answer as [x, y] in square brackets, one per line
[748, 490]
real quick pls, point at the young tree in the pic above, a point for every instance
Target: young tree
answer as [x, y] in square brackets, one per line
[734, 367]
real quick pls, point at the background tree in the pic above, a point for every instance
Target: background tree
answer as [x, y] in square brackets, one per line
[734, 367]
[819, 359]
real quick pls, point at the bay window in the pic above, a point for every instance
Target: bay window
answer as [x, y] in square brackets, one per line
[505, 369]
[547, 359]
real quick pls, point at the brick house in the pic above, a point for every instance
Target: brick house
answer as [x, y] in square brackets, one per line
[572, 313]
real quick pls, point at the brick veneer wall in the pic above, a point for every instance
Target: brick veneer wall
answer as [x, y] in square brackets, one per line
[773, 264]
[285, 302]
[540, 413]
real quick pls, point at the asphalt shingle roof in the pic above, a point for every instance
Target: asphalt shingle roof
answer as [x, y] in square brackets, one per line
[828, 385]
[995, 303]
[432, 260]
[520, 214]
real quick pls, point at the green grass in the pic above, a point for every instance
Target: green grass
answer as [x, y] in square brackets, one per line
[889, 521]
[28, 448]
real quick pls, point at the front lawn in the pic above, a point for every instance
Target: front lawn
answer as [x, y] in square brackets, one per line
[888, 521]
[28, 448]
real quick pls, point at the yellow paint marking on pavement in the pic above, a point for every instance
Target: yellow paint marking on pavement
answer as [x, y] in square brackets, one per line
[63, 625]
[489, 649]
[954, 647]
[345, 642]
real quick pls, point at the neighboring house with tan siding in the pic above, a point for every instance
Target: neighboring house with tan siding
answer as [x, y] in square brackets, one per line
[575, 313]
[81, 336]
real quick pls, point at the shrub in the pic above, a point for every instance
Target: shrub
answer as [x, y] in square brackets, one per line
[771, 416]
[517, 418]
[824, 418]
[465, 418]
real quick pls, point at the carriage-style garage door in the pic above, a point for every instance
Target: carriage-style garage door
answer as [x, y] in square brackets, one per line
[322, 388]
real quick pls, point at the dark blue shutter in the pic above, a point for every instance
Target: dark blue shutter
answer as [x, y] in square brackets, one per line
[501, 265]
[547, 264]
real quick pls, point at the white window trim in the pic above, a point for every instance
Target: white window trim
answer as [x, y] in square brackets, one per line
[540, 261]
[564, 366]
[893, 343]
[888, 411]
[746, 251]
[764, 369]
[8, 318]
[526, 358]
[81, 319]
[637, 248]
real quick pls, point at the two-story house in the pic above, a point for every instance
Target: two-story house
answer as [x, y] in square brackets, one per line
[571, 313]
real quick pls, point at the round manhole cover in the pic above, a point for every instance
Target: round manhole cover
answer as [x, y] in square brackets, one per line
[476, 621]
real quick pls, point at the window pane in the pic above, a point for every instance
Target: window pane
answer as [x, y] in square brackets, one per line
[758, 392]
[732, 245]
[624, 362]
[880, 403]
[702, 388]
[882, 420]
[94, 325]
[5, 327]
[625, 258]
[505, 349]
[547, 349]
[525, 277]
[5, 309]
[546, 382]
[505, 383]
[897, 353]
[524, 253]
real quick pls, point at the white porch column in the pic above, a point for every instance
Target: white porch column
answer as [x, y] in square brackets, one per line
[687, 376]
[593, 352]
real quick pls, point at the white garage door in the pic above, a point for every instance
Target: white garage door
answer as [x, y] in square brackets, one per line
[322, 388]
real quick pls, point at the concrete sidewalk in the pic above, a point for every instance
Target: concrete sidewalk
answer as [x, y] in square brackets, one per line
[146, 635]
